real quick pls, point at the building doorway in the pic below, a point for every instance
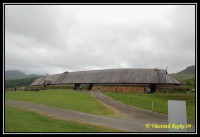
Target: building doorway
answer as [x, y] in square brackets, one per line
[152, 88]
[90, 86]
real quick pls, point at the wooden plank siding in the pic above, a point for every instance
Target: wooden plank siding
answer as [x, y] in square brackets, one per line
[121, 88]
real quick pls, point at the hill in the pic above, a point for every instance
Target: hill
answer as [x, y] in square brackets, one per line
[186, 76]
[188, 70]
[19, 82]
[16, 78]
[188, 73]
[16, 74]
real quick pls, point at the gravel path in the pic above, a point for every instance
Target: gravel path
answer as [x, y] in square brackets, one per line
[131, 120]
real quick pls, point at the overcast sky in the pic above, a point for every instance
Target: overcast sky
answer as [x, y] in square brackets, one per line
[53, 39]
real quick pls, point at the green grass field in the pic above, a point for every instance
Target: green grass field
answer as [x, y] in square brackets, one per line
[160, 101]
[21, 120]
[69, 99]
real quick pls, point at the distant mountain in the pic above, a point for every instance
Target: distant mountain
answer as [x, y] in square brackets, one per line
[16, 74]
[188, 73]
[188, 70]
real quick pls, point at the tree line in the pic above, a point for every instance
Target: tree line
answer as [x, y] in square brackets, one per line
[19, 82]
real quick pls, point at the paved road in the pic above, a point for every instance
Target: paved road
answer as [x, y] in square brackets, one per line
[131, 119]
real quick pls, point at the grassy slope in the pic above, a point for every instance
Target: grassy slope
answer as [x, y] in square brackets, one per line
[20, 120]
[79, 101]
[186, 77]
[187, 73]
[144, 101]
[181, 77]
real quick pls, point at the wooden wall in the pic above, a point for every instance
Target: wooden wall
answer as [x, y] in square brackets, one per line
[126, 88]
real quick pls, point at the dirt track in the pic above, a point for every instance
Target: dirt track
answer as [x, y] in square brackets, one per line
[140, 116]
[131, 119]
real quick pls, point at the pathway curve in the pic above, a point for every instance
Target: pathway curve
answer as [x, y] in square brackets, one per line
[133, 120]
[140, 116]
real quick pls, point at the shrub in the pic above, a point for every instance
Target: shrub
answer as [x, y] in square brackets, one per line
[172, 89]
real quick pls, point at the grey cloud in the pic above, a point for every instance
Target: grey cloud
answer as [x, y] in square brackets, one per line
[53, 39]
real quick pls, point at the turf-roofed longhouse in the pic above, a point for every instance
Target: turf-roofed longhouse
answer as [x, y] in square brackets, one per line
[130, 80]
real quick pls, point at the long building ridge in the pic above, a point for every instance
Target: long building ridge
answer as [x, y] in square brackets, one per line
[116, 69]
[110, 76]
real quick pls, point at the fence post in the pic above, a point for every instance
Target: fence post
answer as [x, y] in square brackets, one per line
[152, 105]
